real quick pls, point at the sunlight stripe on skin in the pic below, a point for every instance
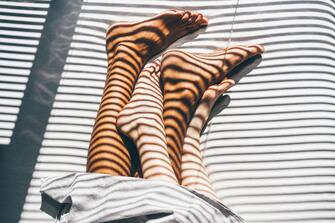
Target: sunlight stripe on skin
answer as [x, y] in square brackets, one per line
[193, 172]
[141, 121]
[185, 77]
[129, 47]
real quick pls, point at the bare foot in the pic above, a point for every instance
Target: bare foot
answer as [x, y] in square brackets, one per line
[193, 171]
[185, 77]
[154, 35]
[129, 46]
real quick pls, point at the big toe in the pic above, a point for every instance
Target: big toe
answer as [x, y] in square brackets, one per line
[257, 49]
[203, 20]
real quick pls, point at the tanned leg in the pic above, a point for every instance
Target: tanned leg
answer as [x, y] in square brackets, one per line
[185, 77]
[129, 47]
[141, 121]
[193, 171]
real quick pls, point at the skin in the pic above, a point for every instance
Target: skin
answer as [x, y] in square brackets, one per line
[193, 171]
[185, 77]
[165, 129]
[129, 47]
[141, 121]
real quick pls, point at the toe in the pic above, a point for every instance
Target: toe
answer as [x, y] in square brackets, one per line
[204, 20]
[196, 21]
[199, 19]
[257, 49]
[227, 81]
[186, 16]
[192, 18]
[181, 13]
[225, 85]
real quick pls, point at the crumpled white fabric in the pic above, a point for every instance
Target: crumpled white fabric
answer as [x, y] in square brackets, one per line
[90, 197]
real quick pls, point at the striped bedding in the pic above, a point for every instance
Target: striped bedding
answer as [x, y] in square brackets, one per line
[89, 197]
[271, 153]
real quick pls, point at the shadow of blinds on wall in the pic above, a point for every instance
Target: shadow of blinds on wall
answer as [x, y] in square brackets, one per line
[271, 153]
[21, 25]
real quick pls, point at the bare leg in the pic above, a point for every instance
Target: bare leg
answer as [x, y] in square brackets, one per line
[193, 171]
[142, 121]
[129, 46]
[185, 77]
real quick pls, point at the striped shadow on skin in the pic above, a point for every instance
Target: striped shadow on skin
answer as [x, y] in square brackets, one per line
[185, 77]
[129, 47]
[193, 171]
[141, 121]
